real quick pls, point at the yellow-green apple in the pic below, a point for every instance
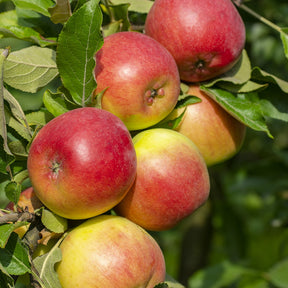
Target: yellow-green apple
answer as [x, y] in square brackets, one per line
[110, 251]
[205, 37]
[141, 78]
[27, 200]
[172, 180]
[82, 163]
[216, 133]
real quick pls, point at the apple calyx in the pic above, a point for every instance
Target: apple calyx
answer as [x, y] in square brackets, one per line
[150, 95]
[55, 168]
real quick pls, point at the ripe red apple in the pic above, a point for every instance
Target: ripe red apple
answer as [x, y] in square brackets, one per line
[172, 180]
[141, 78]
[217, 134]
[205, 37]
[82, 163]
[110, 251]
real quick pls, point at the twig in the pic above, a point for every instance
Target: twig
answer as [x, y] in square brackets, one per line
[13, 217]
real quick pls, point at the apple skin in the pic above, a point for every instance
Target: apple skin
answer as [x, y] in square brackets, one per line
[206, 38]
[27, 200]
[172, 180]
[82, 163]
[217, 134]
[141, 78]
[110, 251]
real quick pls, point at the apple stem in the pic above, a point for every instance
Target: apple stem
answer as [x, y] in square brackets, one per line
[258, 16]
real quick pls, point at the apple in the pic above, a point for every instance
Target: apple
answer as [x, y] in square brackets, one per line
[206, 38]
[82, 163]
[27, 200]
[110, 251]
[217, 134]
[172, 180]
[139, 78]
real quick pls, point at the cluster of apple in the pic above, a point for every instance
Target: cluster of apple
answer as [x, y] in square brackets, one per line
[89, 161]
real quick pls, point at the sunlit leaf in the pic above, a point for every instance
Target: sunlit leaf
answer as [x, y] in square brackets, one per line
[142, 6]
[79, 40]
[53, 222]
[247, 109]
[30, 68]
[40, 6]
[284, 38]
[55, 103]
[238, 74]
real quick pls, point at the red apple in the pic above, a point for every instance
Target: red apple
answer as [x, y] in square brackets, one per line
[82, 163]
[141, 78]
[172, 180]
[110, 251]
[205, 37]
[217, 134]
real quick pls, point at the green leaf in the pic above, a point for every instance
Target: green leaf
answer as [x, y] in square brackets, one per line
[39, 118]
[9, 27]
[246, 87]
[18, 114]
[269, 110]
[40, 6]
[218, 276]
[142, 6]
[120, 14]
[246, 108]
[278, 274]
[284, 38]
[5, 279]
[6, 231]
[13, 190]
[55, 103]
[45, 266]
[61, 12]
[79, 40]
[3, 128]
[262, 76]
[172, 283]
[14, 257]
[238, 74]
[30, 68]
[54, 222]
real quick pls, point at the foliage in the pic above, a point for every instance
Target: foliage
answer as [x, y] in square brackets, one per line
[46, 68]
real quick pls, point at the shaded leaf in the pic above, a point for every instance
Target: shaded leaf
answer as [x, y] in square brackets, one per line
[61, 12]
[39, 118]
[14, 257]
[218, 276]
[6, 231]
[12, 191]
[79, 40]
[30, 68]
[262, 76]
[5, 279]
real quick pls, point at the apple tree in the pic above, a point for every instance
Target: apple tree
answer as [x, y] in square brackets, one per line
[239, 237]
